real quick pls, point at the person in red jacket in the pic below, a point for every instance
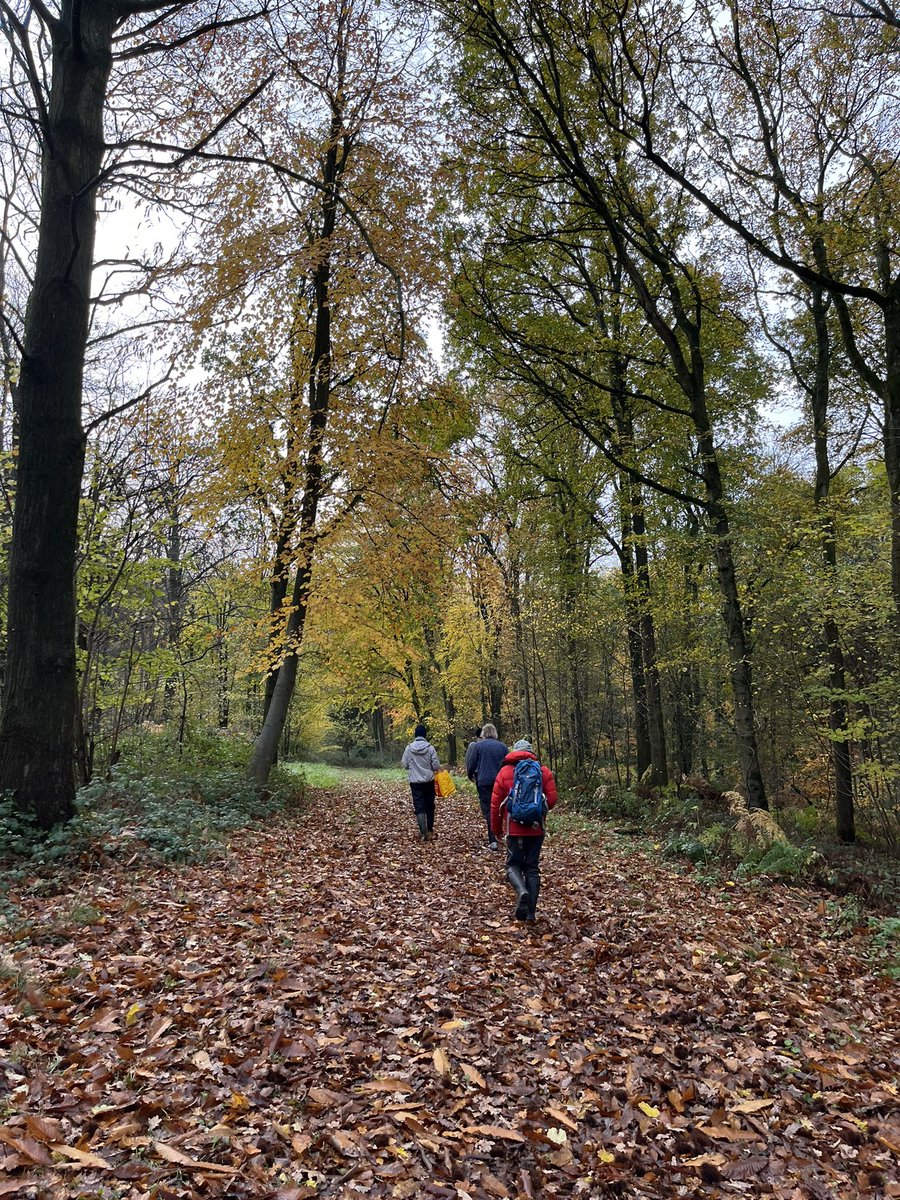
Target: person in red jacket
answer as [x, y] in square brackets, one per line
[523, 842]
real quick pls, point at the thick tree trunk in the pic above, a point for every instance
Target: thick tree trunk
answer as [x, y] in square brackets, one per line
[37, 730]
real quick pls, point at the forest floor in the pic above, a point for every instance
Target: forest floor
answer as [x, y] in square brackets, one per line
[334, 1009]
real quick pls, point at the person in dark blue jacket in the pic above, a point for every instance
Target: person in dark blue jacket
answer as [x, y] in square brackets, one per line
[483, 761]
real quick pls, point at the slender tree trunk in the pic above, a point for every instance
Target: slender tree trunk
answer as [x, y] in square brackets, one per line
[732, 611]
[655, 718]
[524, 681]
[892, 427]
[37, 729]
[838, 714]
[378, 734]
[223, 671]
[409, 676]
[633, 632]
[633, 519]
[174, 593]
[265, 748]
[447, 699]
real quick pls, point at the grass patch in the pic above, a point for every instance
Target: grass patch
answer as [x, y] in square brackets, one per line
[325, 775]
[314, 775]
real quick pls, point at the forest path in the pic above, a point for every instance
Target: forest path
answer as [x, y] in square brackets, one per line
[338, 1010]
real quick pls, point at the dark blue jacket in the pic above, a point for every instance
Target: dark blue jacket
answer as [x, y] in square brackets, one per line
[487, 758]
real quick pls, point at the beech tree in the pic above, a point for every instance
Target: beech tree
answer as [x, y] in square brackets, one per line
[62, 63]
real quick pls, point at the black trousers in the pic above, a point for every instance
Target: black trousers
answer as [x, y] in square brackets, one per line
[423, 800]
[524, 853]
[484, 799]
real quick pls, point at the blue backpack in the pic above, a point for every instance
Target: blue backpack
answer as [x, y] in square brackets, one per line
[526, 804]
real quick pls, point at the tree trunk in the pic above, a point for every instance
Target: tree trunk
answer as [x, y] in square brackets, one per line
[659, 776]
[632, 519]
[838, 713]
[265, 748]
[732, 612]
[892, 428]
[633, 631]
[37, 729]
[378, 733]
[174, 593]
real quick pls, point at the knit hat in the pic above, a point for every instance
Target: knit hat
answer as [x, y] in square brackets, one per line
[522, 744]
[421, 731]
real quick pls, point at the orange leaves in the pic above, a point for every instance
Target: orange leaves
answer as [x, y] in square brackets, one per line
[331, 1001]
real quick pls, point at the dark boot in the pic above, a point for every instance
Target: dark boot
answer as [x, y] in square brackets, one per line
[533, 883]
[422, 820]
[517, 882]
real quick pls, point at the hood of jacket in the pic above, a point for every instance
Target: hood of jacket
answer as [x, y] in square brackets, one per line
[419, 745]
[515, 756]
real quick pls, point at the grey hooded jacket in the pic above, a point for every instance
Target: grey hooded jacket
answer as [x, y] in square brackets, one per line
[420, 760]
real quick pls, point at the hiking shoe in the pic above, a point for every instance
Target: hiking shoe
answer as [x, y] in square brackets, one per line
[493, 846]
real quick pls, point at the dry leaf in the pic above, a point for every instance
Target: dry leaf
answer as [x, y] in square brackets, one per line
[725, 1133]
[562, 1117]
[703, 1160]
[752, 1106]
[83, 1158]
[386, 1085]
[441, 1064]
[495, 1131]
[474, 1075]
[492, 1185]
[170, 1154]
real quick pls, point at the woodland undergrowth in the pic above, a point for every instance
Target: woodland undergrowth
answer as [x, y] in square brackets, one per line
[330, 1008]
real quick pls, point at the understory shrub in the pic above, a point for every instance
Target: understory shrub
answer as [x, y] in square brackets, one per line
[781, 860]
[178, 810]
[886, 945]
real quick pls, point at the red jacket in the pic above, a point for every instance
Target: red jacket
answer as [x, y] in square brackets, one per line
[502, 788]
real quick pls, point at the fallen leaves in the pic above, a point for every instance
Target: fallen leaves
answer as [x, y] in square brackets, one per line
[261, 1027]
[173, 1155]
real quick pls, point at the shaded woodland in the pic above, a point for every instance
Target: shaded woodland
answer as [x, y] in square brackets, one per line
[365, 364]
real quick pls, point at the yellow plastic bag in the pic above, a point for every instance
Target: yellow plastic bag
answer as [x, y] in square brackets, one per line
[443, 784]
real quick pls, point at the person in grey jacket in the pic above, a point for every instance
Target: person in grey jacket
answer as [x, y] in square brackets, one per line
[420, 762]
